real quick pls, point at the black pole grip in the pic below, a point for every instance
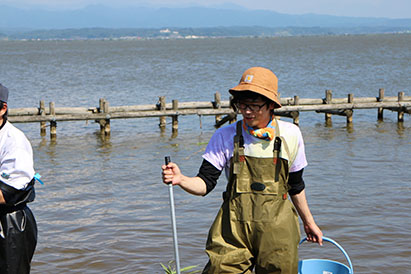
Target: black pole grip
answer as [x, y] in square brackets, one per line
[167, 159]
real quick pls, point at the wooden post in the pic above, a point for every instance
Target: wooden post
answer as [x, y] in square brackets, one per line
[162, 107]
[53, 123]
[400, 110]
[217, 105]
[328, 99]
[107, 128]
[349, 112]
[380, 98]
[42, 124]
[229, 117]
[296, 114]
[101, 109]
[233, 118]
[175, 117]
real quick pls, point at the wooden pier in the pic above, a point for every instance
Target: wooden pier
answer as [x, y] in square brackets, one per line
[222, 110]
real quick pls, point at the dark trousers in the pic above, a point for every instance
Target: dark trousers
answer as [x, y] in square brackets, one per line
[18, 239]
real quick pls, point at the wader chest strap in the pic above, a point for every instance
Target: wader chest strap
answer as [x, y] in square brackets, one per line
[277, 149]
[238, 153]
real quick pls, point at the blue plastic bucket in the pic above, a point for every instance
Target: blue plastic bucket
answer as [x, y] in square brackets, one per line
[317, 266]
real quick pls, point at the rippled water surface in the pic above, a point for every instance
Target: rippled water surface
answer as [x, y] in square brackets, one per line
[103, 208]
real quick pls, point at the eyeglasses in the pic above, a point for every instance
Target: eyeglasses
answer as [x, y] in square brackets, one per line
[252, 107]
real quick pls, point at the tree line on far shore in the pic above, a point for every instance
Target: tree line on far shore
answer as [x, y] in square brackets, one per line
[181, 33]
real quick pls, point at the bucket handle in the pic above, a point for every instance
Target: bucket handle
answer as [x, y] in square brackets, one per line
[339, 247]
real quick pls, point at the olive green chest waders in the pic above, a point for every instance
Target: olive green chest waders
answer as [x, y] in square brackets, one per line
[257, 226]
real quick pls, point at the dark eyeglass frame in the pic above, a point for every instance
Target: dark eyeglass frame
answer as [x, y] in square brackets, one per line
[252, 107]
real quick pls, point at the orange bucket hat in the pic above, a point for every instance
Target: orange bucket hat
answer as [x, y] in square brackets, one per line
[260, 80]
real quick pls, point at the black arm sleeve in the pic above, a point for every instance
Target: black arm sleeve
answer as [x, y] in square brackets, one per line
[209, 174]
[296, 182]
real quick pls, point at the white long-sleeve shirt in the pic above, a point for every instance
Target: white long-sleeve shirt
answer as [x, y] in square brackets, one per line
[16, 157]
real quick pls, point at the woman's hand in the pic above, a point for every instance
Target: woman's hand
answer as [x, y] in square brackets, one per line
[171, 174]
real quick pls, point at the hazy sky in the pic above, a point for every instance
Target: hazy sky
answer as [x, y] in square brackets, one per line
[358, 8]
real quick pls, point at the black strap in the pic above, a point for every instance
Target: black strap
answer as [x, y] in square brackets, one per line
[14, 197]
[277, 149]
[277, 144]
[238, 138]
[238, 143]
[5, 209]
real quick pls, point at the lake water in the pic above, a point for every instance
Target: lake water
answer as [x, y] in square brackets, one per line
[103, 208]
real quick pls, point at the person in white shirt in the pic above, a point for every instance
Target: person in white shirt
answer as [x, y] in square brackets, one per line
[263, 158]
[18, 228]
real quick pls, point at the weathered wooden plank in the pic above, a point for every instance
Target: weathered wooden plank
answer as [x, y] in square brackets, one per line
[345, 106]
[58, 111]
[307, 101]
[222, 111]
[194, 105]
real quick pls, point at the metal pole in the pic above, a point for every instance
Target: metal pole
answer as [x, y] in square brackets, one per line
[173, 221]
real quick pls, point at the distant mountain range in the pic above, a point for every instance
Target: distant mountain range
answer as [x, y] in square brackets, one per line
[17, 20]
[145, 17]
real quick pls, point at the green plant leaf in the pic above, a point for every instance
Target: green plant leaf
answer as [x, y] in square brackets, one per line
[168, 269]
[202, 143]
